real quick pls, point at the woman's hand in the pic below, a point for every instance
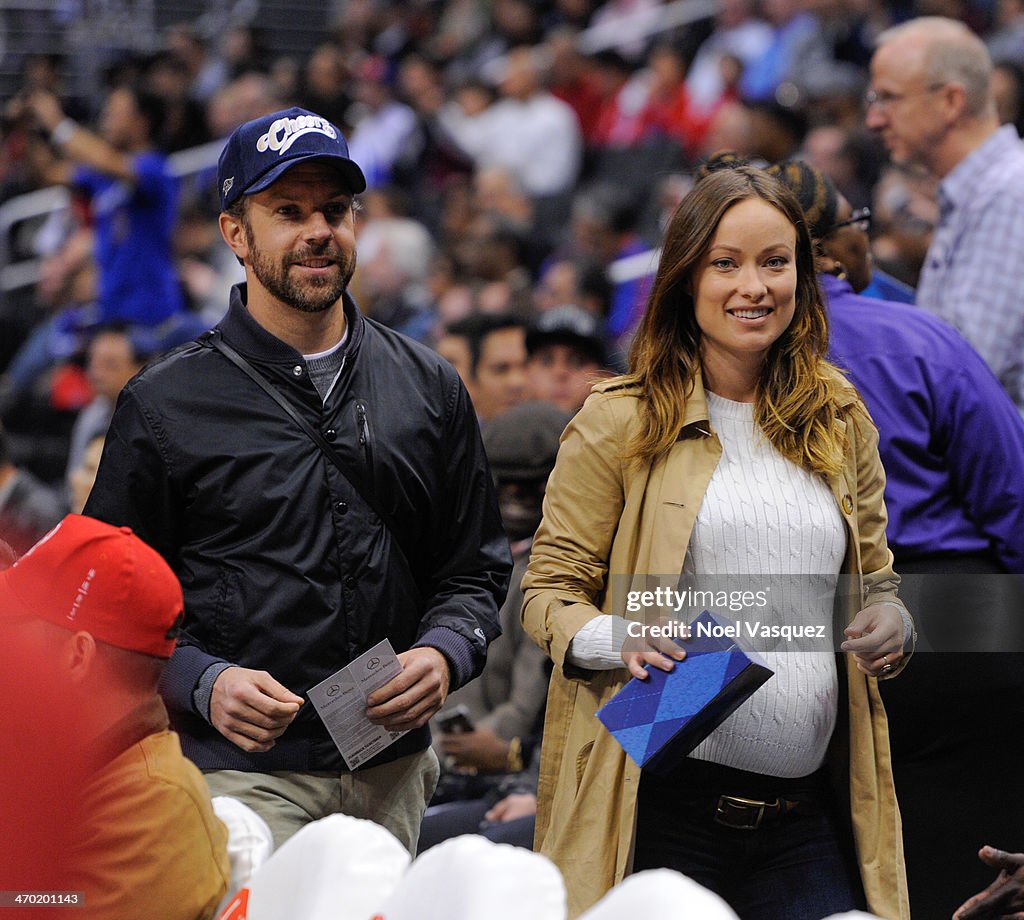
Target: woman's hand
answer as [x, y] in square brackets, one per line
[875, 637]
[645, 649]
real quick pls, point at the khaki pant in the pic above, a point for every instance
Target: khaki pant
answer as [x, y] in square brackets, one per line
[394, 795]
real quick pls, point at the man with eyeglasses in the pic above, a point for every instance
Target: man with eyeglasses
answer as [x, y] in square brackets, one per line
[931, 104]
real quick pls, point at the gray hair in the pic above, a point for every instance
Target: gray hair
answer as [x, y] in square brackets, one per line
[952, 54]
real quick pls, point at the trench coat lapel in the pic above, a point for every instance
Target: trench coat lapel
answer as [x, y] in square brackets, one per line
[679, 482]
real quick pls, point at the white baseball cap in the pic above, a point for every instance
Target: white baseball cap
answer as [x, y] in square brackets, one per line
[337, 868]
[470, 878]
[677, 897]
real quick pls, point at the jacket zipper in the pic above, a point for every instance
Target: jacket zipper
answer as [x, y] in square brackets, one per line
[364, 437]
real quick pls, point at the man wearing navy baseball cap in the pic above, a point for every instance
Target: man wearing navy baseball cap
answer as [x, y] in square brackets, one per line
[262, 151]
[318, 484]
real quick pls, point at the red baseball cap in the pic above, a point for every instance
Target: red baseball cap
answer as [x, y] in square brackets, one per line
[90, 576]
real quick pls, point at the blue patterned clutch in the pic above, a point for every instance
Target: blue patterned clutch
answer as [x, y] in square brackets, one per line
[658, 721]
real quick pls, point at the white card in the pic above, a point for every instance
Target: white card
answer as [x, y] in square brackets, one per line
[340, 701]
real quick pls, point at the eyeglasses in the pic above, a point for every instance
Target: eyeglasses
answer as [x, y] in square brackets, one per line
[884, 99]
[859, 220]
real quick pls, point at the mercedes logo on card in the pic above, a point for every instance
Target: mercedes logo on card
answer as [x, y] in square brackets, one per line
[332, 689]
[373, 664]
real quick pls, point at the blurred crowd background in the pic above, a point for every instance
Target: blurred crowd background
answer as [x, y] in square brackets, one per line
[523, 157]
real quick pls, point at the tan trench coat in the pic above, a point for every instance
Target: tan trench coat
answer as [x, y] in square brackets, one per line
[605, 518]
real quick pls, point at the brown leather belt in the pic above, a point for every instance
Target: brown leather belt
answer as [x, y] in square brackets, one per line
[750, 814]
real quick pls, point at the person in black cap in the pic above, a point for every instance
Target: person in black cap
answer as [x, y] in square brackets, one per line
[567, 354]
[318, 484]
[504, 703]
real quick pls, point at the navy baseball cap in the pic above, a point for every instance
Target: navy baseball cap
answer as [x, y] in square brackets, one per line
[259, 152]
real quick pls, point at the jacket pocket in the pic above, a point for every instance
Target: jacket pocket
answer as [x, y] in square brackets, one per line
[582, 759]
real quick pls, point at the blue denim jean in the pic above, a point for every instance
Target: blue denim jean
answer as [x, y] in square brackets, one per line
[795, 867]
[442, 822]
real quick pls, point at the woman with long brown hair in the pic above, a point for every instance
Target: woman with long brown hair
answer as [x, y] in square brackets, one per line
[732, 450]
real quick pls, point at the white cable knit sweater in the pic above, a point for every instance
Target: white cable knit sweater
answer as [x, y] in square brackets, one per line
[761, 515]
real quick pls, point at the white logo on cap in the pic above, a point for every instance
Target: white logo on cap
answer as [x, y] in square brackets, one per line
[286, 131]
[227, 185]
[81, 594]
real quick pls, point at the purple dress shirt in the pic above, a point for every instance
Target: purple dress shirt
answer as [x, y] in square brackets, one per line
[950, 439]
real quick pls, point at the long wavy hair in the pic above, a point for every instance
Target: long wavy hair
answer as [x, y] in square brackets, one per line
[798, 391]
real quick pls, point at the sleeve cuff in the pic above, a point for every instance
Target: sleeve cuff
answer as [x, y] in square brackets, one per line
[596, 647]
[182, 675]
[909, 630]
[457, 650]
[203, 693]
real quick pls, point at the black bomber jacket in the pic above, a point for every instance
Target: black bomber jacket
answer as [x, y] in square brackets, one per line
[283, 565]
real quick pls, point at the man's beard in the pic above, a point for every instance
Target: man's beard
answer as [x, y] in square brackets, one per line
[314, 295]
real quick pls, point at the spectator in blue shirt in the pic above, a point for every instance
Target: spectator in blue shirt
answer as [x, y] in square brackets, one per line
[133, 200]
[952, 444]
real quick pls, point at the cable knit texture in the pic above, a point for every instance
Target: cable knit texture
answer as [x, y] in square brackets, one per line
[762, 515]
